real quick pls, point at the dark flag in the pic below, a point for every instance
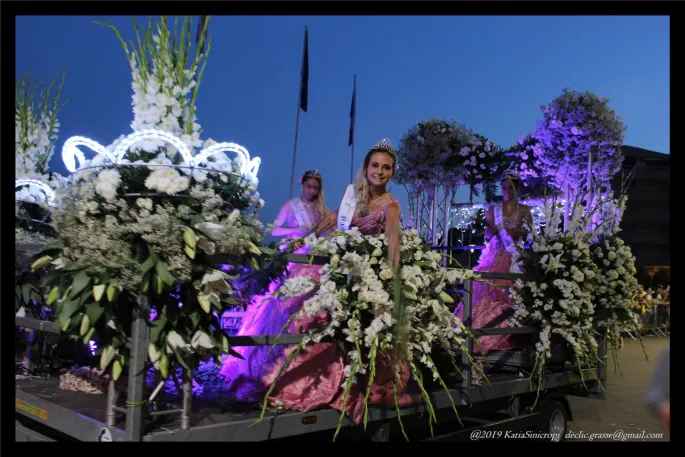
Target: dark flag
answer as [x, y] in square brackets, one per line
[304, 83]
[353, 112]
[198, 36]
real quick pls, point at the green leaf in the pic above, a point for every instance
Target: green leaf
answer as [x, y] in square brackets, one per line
[148, 264]
[98, 291]
[189, 238]
[107, 355]
[194, 319]
[190, 252]
[160, 285]
[66, 325]
[94, 311]
[253, 249]
[53, 296]
[216, 302]
[41, 262]
[81, 281]
[204, 302]
[254, 264]
[67, 310]
[197, 219]
[116, 370]
[111, 291]
[26, 290]
[146, 282]
[164, 273]
[49, 279]
[268, 251]
[73, 266]
[164, 365]
[85, 325]
[229, 300]
[88, 335]
[446, 297]
[157, 327]
[179, 357]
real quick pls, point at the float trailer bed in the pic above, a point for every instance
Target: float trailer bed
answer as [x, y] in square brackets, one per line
[44, 411]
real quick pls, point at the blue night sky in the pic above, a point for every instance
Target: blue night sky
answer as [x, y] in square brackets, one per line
[491, 73]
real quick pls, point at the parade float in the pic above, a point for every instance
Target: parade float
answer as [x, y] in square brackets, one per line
[154, 231]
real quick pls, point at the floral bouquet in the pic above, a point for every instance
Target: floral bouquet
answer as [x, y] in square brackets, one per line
[615, 291]
[557, 295]
[371, 311]
[482, 161]
[36, 131]
[575, 125]
[147, 216]
[426, 152]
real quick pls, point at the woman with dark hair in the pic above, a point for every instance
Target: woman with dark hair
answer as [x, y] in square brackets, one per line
[506, 226]
[267, 314]
[315, 377]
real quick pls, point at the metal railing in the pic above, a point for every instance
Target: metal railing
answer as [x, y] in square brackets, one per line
[136, 405]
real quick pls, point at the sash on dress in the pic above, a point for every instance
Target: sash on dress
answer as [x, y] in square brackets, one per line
[347, 207]
[300, 213]
[507, 241]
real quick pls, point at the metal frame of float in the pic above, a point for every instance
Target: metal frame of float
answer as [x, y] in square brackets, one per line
[82, 427]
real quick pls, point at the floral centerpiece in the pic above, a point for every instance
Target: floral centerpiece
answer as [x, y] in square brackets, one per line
[36, 131]
[482, 162]
[575, 125]
[527, 163]
[370, 310]
[146, 217]
[425, 154]
[617, 282]
[557, 294]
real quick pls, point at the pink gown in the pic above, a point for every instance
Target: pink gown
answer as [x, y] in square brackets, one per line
[315, 378]
[265, 315]
[491, 306]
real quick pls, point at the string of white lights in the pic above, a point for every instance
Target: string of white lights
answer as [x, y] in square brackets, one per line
[71, 152]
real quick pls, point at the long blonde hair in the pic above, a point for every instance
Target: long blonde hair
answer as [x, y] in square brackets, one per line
[361, 183]
[320, 202]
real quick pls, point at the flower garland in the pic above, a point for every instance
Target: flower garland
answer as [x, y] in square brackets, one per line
[371, 311]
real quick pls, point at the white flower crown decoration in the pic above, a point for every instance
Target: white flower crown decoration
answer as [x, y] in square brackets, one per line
[36, 184]
[71, 152]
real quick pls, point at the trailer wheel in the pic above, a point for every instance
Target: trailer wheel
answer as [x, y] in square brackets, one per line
[554, 420]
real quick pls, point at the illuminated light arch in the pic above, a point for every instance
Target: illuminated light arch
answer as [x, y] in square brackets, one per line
[71, 152]
[28, 182]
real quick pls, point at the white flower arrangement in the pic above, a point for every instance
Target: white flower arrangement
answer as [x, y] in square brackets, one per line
[481, 161]
[574, 125]
[427, 155]
[615, 290]
[371, 311]
[36, 131]
[557, 295]
[145, 217]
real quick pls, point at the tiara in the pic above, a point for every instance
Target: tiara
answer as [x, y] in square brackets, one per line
[510, 174]
[384, 145]
[312, 173]
[71, 152]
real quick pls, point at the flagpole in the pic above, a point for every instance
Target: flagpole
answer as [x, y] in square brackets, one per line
[305, 62]
[297, 130]
[353, 117]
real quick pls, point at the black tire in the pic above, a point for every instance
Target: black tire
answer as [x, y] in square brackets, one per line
[554, 419]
